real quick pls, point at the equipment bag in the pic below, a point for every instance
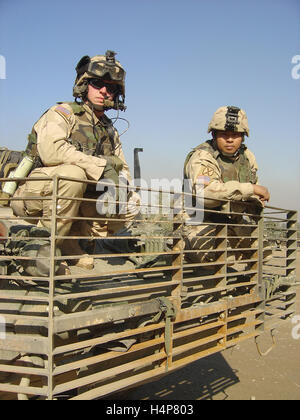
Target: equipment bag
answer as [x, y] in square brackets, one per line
[9, 160]
[33, 243]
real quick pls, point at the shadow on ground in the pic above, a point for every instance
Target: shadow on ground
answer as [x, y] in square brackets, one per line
[201, 380]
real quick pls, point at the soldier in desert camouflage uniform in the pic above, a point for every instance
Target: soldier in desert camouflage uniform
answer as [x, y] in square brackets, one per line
[222, 168]
[76, 139]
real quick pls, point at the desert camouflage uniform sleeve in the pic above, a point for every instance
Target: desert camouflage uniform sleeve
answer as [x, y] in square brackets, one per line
[53, 131]
[203, 170]
[253, 164]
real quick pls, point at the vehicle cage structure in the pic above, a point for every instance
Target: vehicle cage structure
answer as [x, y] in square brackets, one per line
[140, 314]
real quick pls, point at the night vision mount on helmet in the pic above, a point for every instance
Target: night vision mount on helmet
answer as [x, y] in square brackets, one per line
[229, 118]
[103, 67]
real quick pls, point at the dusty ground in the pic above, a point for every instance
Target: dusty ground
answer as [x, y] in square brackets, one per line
[240, 374]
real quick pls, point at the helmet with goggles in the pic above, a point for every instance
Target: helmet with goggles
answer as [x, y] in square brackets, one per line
[229, 118]
[101, 70]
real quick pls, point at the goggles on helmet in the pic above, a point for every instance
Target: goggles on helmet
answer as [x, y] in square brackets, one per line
[101, 67]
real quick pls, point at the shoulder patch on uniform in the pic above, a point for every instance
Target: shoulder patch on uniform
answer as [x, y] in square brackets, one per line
[206, 171]
[63, 111]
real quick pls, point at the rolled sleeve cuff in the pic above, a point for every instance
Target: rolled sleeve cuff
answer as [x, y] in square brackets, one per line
[93, 167]
[247, 190]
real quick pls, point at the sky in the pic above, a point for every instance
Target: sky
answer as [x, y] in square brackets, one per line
[183, 58]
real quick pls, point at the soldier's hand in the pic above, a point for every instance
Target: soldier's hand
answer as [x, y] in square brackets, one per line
[261, 192]
[115, 162]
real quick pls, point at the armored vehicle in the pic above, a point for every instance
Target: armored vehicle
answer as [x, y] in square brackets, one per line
[145, 309]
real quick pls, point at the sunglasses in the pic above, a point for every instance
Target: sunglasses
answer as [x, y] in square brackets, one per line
[111, 88]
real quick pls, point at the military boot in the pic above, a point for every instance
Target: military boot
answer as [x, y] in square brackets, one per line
[74, 247]
[70, 248]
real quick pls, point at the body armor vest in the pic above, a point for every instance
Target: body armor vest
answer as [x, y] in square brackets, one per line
[238, 170]
[98, 139]
[92, 139]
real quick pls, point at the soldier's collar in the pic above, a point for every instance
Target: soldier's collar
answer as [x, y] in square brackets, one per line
[237, 154]
[91, 116]
[103, 120]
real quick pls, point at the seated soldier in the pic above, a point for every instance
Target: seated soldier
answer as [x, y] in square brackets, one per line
[222, 168]
[77, 140]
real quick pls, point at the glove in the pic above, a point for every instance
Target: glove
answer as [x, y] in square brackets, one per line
[111, 174]
[115, 162]
[109, 195]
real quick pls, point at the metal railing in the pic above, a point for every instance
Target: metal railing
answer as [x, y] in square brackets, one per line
[139, 314]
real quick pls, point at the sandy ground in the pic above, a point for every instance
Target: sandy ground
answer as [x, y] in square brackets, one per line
[239, 374]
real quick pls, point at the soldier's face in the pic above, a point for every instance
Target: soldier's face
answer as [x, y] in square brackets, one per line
[228, 142]
[97, 95]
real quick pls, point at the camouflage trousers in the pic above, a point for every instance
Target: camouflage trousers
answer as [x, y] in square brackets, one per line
[39, 207]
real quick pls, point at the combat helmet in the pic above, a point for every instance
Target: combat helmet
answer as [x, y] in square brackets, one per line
[100, 66]
[229, 118]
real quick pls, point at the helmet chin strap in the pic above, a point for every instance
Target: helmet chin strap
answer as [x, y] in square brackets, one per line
[97, 107]
[231, 155]
[103, 108]
[107, 104]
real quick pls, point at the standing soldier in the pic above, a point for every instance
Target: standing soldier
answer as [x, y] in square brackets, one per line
[227, 170]
[77, 140]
